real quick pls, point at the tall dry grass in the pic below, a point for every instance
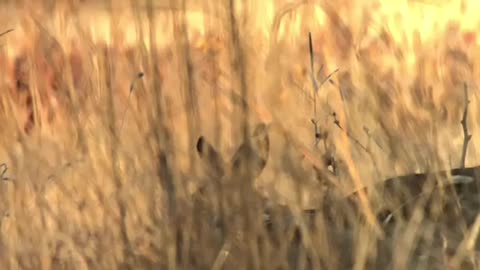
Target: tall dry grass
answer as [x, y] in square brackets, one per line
[102, 167]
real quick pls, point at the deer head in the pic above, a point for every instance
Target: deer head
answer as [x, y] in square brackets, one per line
[251, 156]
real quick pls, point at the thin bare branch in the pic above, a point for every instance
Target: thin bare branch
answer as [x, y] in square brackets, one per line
[466, 135]
[6, 32]
[316, 87]
[3, 172]
[312, 74]
[355, 140]
[329, 76]
[132, 88]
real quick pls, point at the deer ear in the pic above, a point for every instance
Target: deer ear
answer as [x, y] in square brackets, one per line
[212, 160]
[201, 145]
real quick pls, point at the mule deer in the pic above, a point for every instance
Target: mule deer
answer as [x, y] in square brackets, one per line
[251, 154]
[246, 164]
[283, 225]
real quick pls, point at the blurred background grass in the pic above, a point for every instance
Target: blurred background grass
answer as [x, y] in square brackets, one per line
[88, 187]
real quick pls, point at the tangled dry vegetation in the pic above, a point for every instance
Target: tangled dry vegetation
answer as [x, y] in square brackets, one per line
[145, 135]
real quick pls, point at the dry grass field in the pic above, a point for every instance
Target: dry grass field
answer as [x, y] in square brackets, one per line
[121, 122]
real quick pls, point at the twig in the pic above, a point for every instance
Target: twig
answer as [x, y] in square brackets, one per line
[329, 77]
[132, 88]
[3, 171]
[319, 135]
[312, 74]
[316, 88]
[6, 32]
[369, 152]
[355, 140]
[370, 137]
[300, 88]
[466, 135]
[64, 167]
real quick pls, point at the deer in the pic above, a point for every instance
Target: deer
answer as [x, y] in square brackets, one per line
[438, 193]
